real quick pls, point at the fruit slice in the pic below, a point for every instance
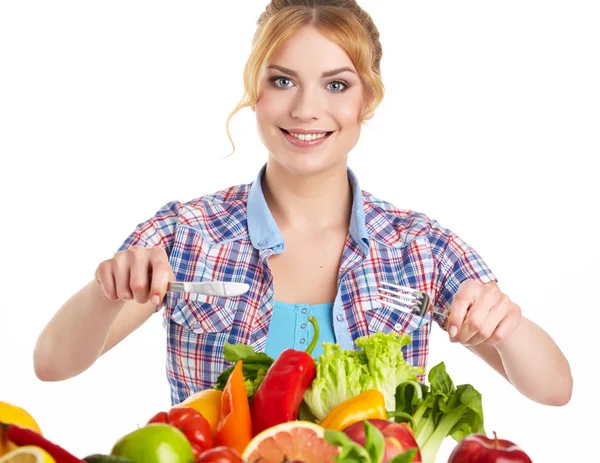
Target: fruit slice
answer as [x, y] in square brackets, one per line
[27, 454]
[294, 440]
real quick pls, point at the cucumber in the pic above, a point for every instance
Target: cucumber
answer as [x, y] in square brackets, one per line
[99, 458]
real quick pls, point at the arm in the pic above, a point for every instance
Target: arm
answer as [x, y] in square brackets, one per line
[490, 325]
[85, 327]
[111, 306]
[532, 362]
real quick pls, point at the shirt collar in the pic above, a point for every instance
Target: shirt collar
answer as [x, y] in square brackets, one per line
[263, 229]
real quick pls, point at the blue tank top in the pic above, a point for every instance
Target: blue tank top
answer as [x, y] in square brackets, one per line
[290, 328]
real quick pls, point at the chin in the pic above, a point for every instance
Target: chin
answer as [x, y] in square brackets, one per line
[309, 165]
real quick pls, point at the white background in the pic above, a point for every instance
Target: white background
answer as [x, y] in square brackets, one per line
[490, 125]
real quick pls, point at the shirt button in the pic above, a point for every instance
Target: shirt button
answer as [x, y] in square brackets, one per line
[303, 310]
[398, 327]
[197, 326]
[339, 317]
[262, 243]
[303, 325]
[302, 341]
[279, 247]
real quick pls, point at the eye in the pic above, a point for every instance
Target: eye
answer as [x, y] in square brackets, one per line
[337, 84]
[283, 80]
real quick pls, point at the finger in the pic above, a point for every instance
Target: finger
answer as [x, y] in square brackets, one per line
[161, 275]
[139, 276]
[491, 322]
[475, 318]
[503, 330]
[461, 302]
[472, 322]
[105, 277]
[120, 266]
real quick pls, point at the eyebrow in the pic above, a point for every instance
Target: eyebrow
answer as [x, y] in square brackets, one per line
[333, 72]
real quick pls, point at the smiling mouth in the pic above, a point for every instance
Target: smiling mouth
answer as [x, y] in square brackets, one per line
[307, 137]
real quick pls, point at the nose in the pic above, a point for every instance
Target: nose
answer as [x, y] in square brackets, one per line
[307, 105]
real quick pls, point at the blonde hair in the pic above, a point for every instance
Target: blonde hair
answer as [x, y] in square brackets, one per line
[341, 21]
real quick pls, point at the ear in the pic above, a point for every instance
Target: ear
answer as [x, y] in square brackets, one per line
[369, 116]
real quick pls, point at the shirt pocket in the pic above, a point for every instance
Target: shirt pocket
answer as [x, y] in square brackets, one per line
[202, 317]
[386, 320]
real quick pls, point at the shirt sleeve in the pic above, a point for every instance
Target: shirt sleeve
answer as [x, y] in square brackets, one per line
[457, 262]
[158, 230]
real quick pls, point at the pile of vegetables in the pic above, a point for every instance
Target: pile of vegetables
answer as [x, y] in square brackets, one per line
[369, 402]
[344, 387]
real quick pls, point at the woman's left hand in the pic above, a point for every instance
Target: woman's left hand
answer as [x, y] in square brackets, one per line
[481, 314]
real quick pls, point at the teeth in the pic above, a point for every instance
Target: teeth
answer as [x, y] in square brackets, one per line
[311, 136]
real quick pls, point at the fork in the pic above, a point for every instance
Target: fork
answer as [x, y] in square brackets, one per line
[406, 299]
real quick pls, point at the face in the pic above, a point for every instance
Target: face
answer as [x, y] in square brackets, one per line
[310, 100]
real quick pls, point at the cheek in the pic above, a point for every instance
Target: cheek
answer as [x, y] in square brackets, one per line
[268, 108]
[348, 113]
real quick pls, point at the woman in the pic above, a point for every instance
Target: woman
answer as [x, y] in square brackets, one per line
[303, 235]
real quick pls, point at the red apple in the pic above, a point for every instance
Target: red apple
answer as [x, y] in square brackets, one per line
[477, 448]
[399, 437]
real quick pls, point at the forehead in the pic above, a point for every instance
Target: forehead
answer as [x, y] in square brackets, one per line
[308, 51]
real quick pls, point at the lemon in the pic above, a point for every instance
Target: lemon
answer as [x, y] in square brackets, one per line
[11, 414]
[28, 454]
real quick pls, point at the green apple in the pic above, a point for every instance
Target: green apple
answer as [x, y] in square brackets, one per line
[155, 443]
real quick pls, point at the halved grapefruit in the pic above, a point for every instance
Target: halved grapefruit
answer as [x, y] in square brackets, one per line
[294, 440]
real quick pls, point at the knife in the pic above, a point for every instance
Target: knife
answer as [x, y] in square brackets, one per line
[209, 288]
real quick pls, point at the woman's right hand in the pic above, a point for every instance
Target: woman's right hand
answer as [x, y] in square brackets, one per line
[138, 273]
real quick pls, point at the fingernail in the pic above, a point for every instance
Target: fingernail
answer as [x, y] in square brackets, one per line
[452, 331]
[155, 300]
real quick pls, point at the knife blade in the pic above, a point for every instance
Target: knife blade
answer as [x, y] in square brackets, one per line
[209, 288]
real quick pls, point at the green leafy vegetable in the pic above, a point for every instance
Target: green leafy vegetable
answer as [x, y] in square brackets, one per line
[254, 366]
[439, 411]
[350, 451]
[374, 442]
[372, 452]
[342, 374]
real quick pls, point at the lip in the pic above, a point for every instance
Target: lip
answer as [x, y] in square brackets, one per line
[306, 143]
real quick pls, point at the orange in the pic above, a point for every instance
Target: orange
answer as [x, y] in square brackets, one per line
[11, 414]
[208, 403]
[294, 440]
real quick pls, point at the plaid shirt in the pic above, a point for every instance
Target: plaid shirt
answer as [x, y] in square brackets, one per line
[229, 235]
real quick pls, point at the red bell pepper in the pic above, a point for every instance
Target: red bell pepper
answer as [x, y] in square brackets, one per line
[24, 436]
[235, 425]
[191, 423]
[278, 398]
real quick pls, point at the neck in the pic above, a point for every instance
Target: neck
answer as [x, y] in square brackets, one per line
[308, 202]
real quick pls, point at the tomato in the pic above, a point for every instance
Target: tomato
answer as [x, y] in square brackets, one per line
[195, 427]
[220, 455]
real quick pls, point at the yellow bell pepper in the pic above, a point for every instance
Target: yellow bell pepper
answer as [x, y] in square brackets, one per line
[208, 403]
[367, 405]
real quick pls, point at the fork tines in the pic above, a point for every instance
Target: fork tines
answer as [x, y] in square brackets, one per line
[405, 299]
